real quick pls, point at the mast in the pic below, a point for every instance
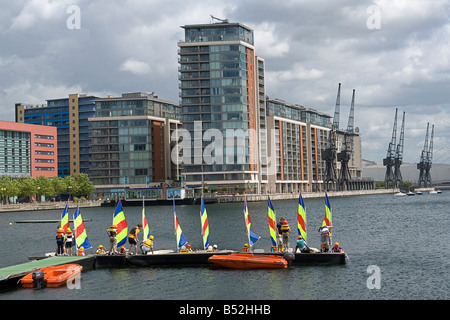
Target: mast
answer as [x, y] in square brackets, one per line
[175, 223]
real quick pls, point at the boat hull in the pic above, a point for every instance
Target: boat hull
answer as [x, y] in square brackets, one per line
[59, 276]
[248, 261]
[54, 276]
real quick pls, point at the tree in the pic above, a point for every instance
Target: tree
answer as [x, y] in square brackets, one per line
[59, 185]
[27, 187]
[79, 185]
[85, 186]
[44, 187]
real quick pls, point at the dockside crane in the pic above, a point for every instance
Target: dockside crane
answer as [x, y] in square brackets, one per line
[430, 158]
[426, 157]
[398, 179]
[423, 160]
[389, 161]
[344, 156]
[351, 116]
[329, 154]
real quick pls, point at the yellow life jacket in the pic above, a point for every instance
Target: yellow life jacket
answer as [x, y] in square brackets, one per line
[133, 236]
[148, 243]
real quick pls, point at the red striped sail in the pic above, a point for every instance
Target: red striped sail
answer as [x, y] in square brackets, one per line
[327, 218]
[272, 224]
[144, 222]
[205, 225]
[121, 223]
[301, 218]
[81, 238]
[65, 217]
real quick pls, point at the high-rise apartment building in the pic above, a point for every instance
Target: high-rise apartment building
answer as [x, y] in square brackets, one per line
[296, 136]
[131, 146]
[221, 81]
[70, 116]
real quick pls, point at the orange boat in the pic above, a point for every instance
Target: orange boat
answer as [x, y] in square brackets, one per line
[54, 276]
[248, 261]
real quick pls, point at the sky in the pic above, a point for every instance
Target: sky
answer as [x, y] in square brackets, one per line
[395, 54]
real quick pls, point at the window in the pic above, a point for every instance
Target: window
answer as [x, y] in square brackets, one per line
[41, 136]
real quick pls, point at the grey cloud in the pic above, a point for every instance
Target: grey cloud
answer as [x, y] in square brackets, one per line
[309, 47]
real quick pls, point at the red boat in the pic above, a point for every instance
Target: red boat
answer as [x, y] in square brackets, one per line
[248, 261]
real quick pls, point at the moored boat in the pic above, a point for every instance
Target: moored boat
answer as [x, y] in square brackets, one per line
[248, 261]
[54, 276]
[58, 276]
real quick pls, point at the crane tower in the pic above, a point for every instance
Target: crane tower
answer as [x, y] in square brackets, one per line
[389, 161]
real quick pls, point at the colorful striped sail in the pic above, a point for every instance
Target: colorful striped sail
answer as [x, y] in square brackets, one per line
[205, 225]
[272, 224]
[327, 218]
[181, 240]
[252, 237]
[301, 218]
[65, 218]
[81, 238]
[144, 222]
[121, 223]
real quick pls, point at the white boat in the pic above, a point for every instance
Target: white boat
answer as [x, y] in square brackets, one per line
[399, 194]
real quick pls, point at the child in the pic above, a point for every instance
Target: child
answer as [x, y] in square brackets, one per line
[81, 251]
[112, 234]
[101, 250]
[69, 241]
[60, 242]
[147, 245]
[133, 238]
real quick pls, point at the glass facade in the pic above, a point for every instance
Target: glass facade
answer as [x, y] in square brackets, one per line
[130, 143]
[122, 152]
[216, 89]
[72, 126]
[298, 113]
[218, 32]
[15, 152]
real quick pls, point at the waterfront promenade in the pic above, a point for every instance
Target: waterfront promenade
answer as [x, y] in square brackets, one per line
[306, 195]
[59, 205]
[34, 206]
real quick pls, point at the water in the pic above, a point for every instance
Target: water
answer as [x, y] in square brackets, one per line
[405, 237]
